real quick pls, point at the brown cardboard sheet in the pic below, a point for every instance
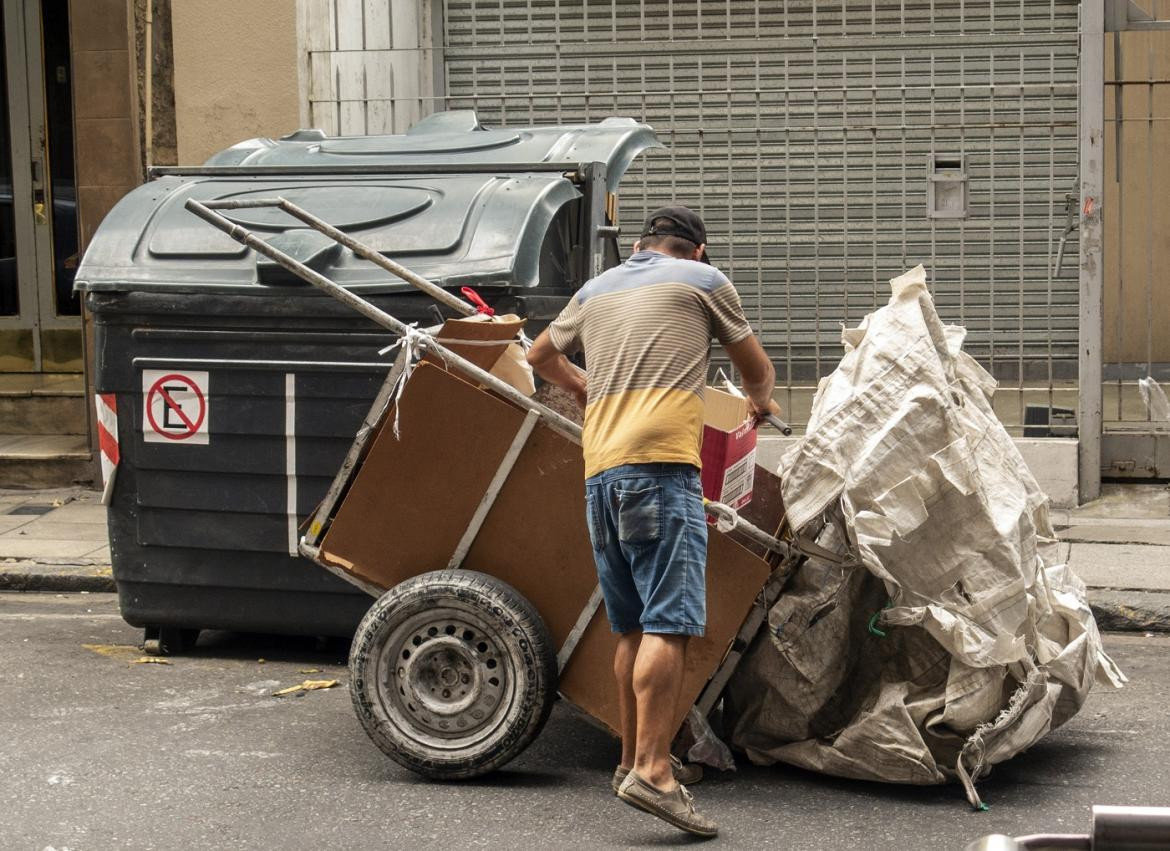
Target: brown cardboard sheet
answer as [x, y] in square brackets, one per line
[503, 328]
[723, 411]
[535, 536]
[766, 510]
[734, 578]
[410, 503]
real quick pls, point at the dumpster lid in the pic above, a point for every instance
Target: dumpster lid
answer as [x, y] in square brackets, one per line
[453, 138]
[460, 205]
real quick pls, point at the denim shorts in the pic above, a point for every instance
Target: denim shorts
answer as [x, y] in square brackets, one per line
[649, 537]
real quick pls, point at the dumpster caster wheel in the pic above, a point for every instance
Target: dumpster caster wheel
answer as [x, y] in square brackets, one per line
[452, 674]
[168, 640]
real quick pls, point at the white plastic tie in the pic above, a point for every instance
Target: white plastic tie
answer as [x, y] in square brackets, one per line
[413, 343]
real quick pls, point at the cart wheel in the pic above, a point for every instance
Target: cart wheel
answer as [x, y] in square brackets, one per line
[168, 640]
[452, 674]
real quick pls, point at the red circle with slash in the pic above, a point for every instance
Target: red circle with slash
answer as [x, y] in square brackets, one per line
[192, 425]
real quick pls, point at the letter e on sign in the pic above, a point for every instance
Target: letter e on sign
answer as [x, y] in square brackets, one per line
[176, 406]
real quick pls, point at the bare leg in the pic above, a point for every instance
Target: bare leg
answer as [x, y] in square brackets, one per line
[658, 673]
[623, 671]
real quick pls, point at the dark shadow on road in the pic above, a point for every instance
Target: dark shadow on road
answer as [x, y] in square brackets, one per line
[1055, 761]
[507, 778]
[504, 778]
[218, 644]
[668, 837]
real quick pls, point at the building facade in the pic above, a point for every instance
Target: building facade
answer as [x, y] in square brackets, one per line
[829, 146]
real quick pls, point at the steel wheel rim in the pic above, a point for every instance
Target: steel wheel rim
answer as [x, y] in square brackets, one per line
[446, 677]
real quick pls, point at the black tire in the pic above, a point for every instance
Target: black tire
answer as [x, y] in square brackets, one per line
[452, 674]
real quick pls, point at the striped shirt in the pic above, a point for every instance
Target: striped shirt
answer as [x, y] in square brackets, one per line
[646, 327]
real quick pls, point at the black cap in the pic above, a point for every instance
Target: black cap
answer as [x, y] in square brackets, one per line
[684, 223]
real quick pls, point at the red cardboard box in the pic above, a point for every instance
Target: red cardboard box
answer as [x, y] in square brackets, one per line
[729, 449]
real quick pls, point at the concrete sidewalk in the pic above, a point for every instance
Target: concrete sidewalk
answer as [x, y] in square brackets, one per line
[1119, 545]
[54, 540]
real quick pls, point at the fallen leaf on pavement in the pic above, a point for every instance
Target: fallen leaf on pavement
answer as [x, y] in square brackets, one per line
[307, 685]
[151, 660]
[309, 671]
[112, 650]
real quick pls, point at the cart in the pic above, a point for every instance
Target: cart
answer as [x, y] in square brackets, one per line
[460, 508]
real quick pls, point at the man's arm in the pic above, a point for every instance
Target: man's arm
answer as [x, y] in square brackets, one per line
[548, 362]
[759, 376]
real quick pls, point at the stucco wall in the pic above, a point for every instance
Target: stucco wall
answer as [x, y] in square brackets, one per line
[235, 73]
[1137, 195]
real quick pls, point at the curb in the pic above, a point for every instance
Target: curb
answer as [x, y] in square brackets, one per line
[56, 582]
[1115, 611]
[1131, 611]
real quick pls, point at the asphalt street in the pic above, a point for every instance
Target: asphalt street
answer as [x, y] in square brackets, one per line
[102, 751]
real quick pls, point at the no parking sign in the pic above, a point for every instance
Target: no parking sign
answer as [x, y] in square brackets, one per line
[175, 406]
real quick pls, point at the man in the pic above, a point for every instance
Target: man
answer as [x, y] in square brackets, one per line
[646, 327]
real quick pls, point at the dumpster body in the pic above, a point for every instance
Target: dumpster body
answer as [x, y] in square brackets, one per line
[238, 389]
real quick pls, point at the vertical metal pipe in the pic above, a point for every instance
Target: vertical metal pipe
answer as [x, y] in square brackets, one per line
[991, 222]
[595, 218]
[760, 313]
[732, 271]
[1118, 178]
[789, 325]
[1021, 247]
[873, 166]
[1091, 108]
[963, 153]
[1150, 63]
[148, 82]
[1053, 196]
[846, 282]
[816, 199]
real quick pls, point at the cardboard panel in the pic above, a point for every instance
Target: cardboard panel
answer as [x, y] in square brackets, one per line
[766, 509]
[734, 578]
[502, 328]
[411, 501]
[535, 537]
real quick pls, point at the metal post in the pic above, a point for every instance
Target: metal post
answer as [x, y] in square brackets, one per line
[1092, 162]
[594, 215]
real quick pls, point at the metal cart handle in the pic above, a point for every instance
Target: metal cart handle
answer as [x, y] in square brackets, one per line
[779, 424]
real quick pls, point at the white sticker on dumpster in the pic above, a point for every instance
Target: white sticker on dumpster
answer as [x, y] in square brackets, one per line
[175, 406]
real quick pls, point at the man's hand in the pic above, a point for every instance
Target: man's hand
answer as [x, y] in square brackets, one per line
[548, 362]
[759, 412]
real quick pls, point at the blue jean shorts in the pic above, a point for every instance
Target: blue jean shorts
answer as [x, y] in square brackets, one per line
[649, 537]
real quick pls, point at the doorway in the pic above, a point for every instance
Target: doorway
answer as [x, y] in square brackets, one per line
[40, 326]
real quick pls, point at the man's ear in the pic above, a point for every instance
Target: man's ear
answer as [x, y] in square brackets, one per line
[637, 246]
[698, 254]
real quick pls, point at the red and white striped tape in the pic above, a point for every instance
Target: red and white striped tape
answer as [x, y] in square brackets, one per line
[107, 430]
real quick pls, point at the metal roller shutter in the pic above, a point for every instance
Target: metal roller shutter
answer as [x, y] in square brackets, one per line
[802, 131]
